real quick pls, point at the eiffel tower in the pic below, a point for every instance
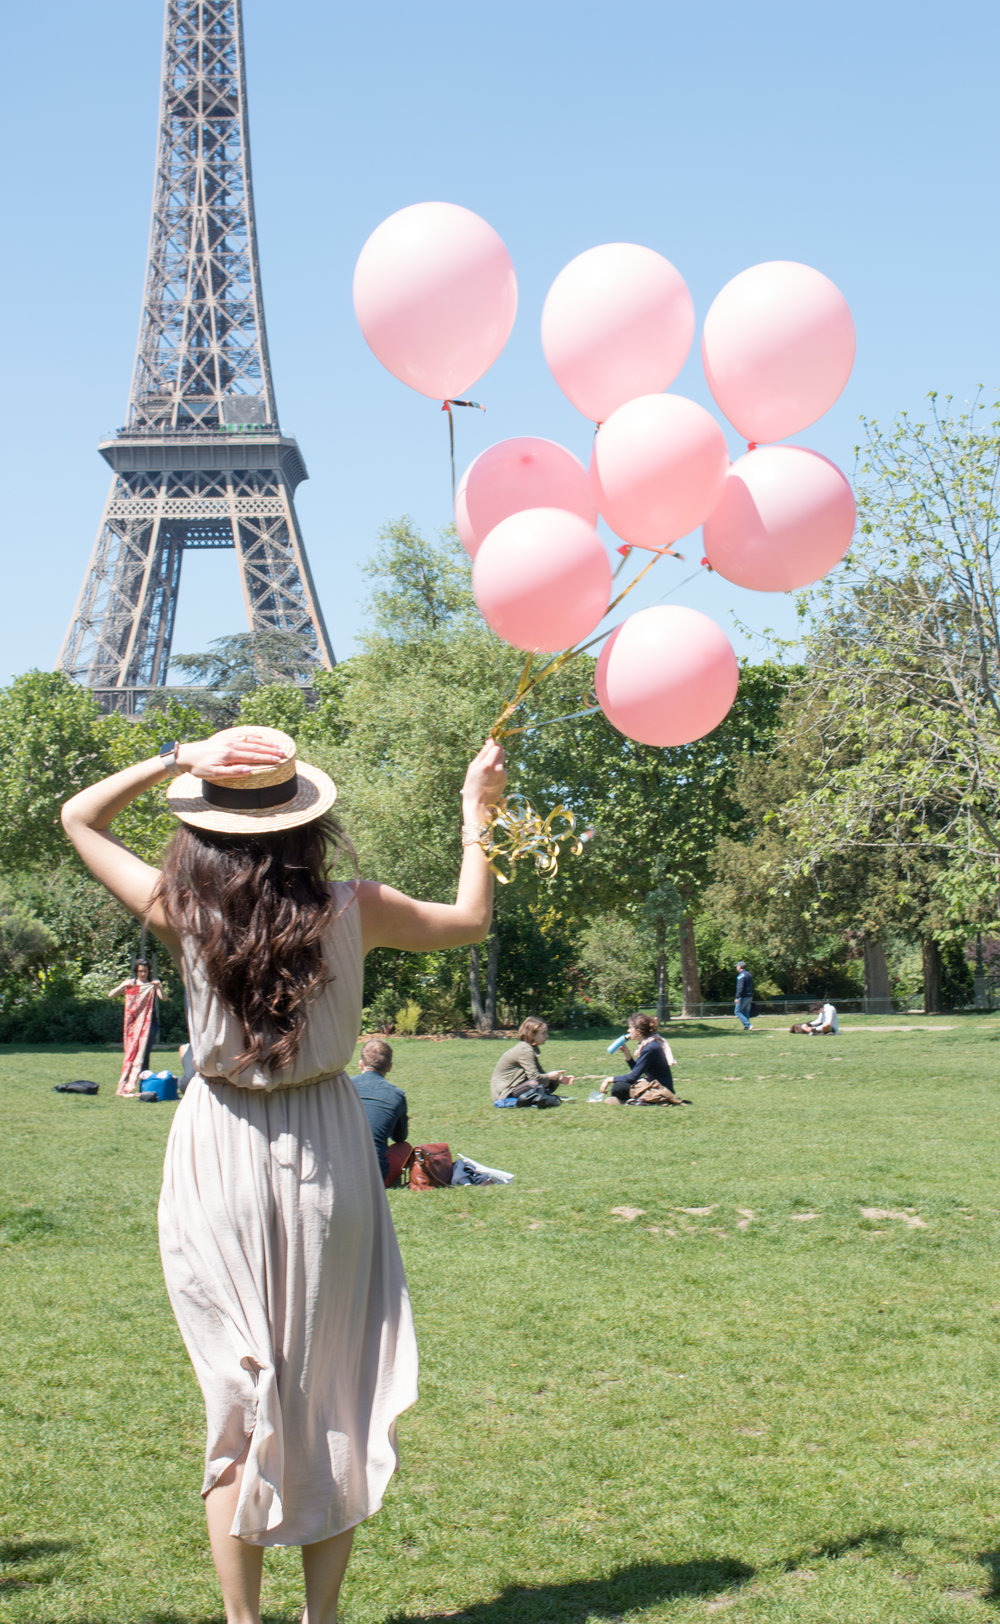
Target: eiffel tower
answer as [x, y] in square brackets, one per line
[201, 461]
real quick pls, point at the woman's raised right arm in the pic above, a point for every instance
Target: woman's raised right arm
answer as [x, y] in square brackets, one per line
[389, 918]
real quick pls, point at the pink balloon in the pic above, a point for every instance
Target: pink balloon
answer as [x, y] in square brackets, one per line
[617, 322]
[785, 517]
[778, 348]
[542, 579]
[517, 474]
[435, 296]
[666, 676]
[657, 468]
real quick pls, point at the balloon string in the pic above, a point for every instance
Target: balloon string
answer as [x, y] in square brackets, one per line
[531, 680]
[446, 407]
[534, 727]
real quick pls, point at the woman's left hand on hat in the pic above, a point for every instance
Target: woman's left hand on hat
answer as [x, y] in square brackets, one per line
[229, 754]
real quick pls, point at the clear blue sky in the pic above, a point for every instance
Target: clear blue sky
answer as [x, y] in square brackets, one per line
[860, 138]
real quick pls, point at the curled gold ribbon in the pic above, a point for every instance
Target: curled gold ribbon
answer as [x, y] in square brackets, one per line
[516, 832]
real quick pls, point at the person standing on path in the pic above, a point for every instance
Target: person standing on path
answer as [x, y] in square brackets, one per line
[744, 995]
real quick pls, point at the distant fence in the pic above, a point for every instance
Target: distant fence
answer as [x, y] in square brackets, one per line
[844, 1006]
[796, 1006]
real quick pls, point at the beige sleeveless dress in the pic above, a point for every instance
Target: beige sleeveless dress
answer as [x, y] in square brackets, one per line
[282, 1265]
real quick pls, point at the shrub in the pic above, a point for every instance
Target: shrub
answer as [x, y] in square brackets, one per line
[408, 1019]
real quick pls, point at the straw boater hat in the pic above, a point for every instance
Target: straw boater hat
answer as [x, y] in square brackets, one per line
[281, 796]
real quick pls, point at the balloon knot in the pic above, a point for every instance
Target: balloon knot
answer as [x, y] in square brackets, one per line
[446, 405]
[751, 445]
[625, 550]
[706, 565]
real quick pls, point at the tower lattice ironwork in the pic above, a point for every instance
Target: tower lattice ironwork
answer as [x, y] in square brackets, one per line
[201, 461]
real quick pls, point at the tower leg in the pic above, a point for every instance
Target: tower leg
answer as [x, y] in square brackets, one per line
[277, 584]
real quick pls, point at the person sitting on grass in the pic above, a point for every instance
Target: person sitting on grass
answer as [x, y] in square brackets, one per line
[519, 1070]
[652, 1063]
[385, 1108]
[824, 1023]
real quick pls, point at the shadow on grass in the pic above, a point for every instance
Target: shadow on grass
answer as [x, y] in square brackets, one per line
[292, 1617]
[13, 1551]
[873, 1539]
[21, 1553]
[643, 1585]
[990, 1560]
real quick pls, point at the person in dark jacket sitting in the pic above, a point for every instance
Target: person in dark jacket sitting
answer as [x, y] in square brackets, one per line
[653, 1060]
[385, 1108]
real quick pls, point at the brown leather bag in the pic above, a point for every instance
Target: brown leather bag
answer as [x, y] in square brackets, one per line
[649, 1093]
[430, 1167]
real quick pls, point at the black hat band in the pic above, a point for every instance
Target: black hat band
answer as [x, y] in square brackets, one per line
[250, 800]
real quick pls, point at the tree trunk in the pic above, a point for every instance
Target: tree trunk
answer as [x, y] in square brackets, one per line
[980, 995]
[492, 967]
[690, 982]
[662, 993]
[931, 955]
[475, 996]
[878, 994]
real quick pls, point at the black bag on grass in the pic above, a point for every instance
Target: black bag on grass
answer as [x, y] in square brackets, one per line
[535, 1094]
[80, 1086]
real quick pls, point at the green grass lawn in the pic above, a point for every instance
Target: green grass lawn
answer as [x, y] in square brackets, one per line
[766, 1389]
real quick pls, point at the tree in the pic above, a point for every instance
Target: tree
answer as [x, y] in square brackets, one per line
[396, 726]
[235, 665]
[658, 814]
[904, 647]
[25, 940]
[50, 745]
[87, 929]
[618, 957]
[900, 707]
[796, 909]
[278, 705]
[58, 925]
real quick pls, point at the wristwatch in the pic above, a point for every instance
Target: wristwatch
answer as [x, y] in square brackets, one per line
[168, 755]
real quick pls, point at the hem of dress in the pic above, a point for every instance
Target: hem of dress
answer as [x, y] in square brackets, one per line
[268, 1541]
[277, 1537]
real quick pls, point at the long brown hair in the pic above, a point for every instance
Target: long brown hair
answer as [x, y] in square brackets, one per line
[255, 907]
